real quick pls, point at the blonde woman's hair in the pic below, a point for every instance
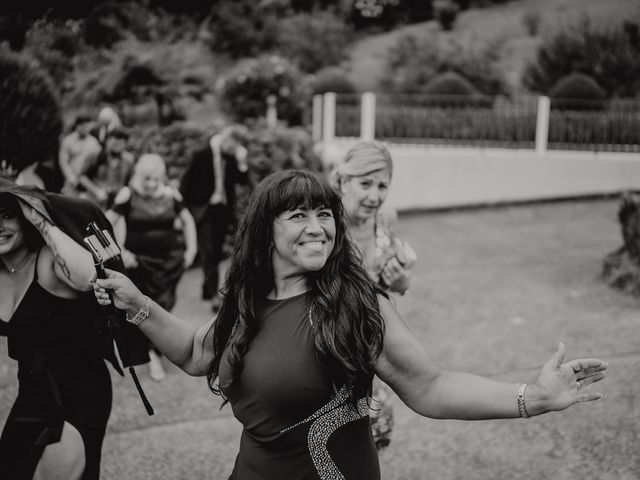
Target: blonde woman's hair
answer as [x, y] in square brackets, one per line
[362, 159]
[150, 161]
[146, 162]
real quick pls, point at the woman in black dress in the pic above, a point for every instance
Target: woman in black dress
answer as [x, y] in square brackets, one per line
[58, 421]
[159, 236]
[301, 332]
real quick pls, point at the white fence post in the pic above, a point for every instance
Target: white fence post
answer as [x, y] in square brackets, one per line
[368, 116]
[316, 118]
[272, 111]
[329, 118]
[542, 125]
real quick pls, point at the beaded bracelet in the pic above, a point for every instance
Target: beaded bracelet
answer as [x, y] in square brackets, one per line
[142, 314]
[522, 408]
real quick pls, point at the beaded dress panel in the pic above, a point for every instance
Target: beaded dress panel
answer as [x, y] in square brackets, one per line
[296, 426]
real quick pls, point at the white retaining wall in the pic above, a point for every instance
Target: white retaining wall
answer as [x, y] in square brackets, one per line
[435, 177]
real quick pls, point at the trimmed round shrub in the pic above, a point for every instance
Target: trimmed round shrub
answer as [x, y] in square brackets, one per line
[332, 79]
[450, 83]
[413, 61]
[577, 91]
[30, 115]
[611, 57]
[244, 92]
[451, 88]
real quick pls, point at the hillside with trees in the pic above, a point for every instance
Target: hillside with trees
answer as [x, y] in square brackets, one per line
[162, 61]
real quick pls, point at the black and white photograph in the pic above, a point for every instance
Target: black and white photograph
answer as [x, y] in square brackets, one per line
[320, 240]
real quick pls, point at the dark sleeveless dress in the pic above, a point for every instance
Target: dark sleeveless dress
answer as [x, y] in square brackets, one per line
[61, 378]
[296, 427]
[159, 247]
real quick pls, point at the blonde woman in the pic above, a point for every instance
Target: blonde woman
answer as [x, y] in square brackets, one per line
[158, 234]
[362, 178]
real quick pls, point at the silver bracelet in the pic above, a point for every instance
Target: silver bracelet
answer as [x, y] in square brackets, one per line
[142, 314]
[522, 407]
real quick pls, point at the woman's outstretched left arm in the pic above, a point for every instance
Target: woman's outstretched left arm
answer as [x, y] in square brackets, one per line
[435, 392]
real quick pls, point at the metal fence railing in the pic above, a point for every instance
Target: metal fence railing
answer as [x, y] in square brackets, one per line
[510, 122]
[606, 125]
[348, 111]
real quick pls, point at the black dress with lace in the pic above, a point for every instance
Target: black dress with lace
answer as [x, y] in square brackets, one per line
[61, 379]
[295, 425]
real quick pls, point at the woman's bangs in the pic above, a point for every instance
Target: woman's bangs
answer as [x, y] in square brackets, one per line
[306, 192]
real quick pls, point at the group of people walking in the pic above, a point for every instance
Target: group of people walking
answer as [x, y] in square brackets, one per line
[305, 331]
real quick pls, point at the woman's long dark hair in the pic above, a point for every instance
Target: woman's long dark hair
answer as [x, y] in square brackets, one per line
[348, 324]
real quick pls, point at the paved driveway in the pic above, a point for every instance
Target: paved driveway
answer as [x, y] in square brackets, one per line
[495, 290]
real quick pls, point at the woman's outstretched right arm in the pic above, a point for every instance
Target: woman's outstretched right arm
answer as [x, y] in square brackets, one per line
[186, 346]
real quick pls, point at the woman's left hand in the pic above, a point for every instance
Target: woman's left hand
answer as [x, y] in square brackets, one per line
[406, 255]
[396, 273]
[395, 276]
[560, 385]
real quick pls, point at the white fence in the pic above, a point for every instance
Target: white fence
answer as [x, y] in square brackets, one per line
[432, 176]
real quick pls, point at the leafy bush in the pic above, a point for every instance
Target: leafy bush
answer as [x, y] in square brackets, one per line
[54, 44]
[314, 40]
[446, 12]
[112, 21]
[385, 13]
[612, 58]
[138, 79]
[413, 61]
[577, 92]
[109, 22]
[174, 143]
[242, 28]
[244, 92]
[30, 115]
[332, 79]
[273, 149]
[143, 95]
[531, 21]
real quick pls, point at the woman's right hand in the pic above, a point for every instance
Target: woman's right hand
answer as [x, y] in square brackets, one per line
[126, 296]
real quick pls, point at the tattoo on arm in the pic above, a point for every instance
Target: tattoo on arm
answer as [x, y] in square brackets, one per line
[43, 227]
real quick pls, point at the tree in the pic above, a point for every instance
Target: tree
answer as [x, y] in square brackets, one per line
[30, 114]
